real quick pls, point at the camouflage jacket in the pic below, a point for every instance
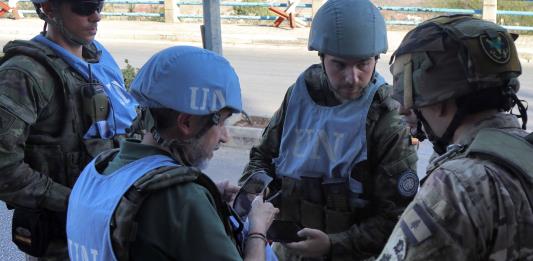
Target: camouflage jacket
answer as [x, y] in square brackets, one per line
[468, 209]
[41, 129]
[389, 156]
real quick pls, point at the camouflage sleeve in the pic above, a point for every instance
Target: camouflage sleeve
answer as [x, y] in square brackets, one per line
[390, 185]
[22, 97]
[450, 219]
[261, 155]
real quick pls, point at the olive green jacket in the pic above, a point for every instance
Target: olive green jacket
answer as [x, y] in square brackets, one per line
[179, 222]
[390, 154]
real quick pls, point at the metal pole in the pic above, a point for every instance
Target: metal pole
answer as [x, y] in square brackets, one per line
[212, 32]
[489, 10]
[171, 11]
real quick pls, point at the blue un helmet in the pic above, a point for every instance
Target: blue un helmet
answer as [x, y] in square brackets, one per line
[188, 80]
[348, 28]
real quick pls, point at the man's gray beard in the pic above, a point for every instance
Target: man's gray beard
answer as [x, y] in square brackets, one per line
[196, 154]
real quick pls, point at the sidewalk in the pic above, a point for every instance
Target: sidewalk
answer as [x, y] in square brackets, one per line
[233, 34]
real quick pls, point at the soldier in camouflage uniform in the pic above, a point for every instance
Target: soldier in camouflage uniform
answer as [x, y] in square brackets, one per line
[338, 151]
[56, 114]
[459, 75]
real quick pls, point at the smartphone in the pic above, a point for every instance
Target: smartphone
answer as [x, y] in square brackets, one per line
[253, 186]
[284, 231]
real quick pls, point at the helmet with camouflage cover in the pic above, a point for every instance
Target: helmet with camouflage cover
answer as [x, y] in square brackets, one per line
[451, 56]
[457, 57]
[348, 28]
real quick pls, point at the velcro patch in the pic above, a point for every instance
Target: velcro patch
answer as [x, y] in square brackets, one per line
[408, 183]
[6, 121]
[496, 48]
[416, 225]
[395, 250]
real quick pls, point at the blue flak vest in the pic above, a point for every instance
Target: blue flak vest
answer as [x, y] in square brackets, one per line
[92, 202]
[107, 73]
[322, 141]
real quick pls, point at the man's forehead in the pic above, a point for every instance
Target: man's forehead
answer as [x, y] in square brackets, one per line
[348, 59]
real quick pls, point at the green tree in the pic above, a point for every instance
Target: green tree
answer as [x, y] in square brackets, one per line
[129, 74]
[251, 10]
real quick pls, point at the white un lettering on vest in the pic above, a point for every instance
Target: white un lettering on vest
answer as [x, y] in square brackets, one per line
[316, 139]
[119, 90]
[199, 98]
[79, 252]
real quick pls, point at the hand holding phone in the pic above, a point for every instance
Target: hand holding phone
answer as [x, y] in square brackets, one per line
[284, 231]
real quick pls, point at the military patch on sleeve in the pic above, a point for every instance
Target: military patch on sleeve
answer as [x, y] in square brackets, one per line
[496, 48]
[395, 249]
[408, 183]
[6, 121]
[416, 225]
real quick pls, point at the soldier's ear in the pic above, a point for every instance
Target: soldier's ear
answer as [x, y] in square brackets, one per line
[184, 125]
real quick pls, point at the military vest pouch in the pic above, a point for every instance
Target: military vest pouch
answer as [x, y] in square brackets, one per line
[95, 102]
[312, 214]
[31, 231]
[338, 221]
[290, 199]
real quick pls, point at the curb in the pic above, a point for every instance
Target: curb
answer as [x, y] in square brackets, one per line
[243, 137]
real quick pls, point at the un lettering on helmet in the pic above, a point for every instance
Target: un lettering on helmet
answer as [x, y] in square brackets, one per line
[189, 80]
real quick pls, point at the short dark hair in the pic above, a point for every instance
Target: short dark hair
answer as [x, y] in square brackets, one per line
[164, 117]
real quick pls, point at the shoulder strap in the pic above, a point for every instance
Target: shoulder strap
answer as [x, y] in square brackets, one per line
[510, 151]
[513, 150]
[123, 224]
[39, 53]
[529, 138]
[55, 66]
[382, 102]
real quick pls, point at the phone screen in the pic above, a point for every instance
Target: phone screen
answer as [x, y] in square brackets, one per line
[284, 231]
[254, 185]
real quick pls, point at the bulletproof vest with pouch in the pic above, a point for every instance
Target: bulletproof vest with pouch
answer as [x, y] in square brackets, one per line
[509, 151]
[63, 156]
[124, 224]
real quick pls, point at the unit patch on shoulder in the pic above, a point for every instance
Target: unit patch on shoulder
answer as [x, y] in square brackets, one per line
[496, 48]
[408, 183]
